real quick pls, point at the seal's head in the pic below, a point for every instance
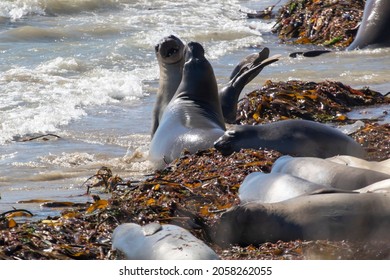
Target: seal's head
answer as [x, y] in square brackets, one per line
[170, 50]
[225, 143]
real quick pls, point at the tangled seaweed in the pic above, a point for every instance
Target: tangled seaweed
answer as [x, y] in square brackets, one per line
[327, 23]
[195, 189]
[322, 102]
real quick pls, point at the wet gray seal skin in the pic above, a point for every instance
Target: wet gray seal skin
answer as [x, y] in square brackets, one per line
[170, 56]
[374, 28]
[293, 137]
[241, 75]
[335, 216]
[159, 242]
[327, 173]
[193, 119]
[276, 187]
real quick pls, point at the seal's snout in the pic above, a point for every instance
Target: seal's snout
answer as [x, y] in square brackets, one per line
[222, 144]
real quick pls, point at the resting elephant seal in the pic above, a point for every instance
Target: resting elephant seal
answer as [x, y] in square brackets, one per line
[335, 216]
[380, 166]
[293, 137]
[193, 119]
[170, 56]
[327, 173]
[374, 28]
[242, 74]
[276, 187]
[159, 242]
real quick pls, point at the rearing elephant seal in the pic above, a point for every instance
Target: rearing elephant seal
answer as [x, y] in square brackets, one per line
[170, 56]
[242, 74]
[293, 137]
[374, 28]
[335, 216]
[193, 119]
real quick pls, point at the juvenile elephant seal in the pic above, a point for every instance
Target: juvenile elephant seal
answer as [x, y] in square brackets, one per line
[193, 119]
[242, 74]
[327, 173]
[159, 242]
[380, 166]
[374, 28]
[276, 187]
[293, 137]
[170, 56]
[335, 216]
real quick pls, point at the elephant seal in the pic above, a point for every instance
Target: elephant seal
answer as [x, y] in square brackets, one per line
[293, 137]
[327, 173]
[380, 166]
[159, 242]
[170, 56]
[193, 119]
[335, 216]
[276, 187]
[242, 74]
[374, 28]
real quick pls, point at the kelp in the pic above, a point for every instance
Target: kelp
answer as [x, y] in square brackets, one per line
[326, 22]
[327, 101]
[194, 190]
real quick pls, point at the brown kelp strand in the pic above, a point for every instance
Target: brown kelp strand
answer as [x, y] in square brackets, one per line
[328, 23]
[327, 101]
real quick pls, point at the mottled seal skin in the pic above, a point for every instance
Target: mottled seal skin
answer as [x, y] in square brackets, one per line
[335, 216]
[241, 75]
[380, 166]
[293, 137]
[193, 119]
[276, 187]
[374, 29]
[327, 173]
[159, 242]
[170, 56]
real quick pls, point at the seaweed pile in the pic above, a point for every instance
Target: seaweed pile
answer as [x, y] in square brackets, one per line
[322, 102]
[195, 189]
[328, 22]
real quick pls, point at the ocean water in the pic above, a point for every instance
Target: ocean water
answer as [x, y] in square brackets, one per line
[85, 70]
